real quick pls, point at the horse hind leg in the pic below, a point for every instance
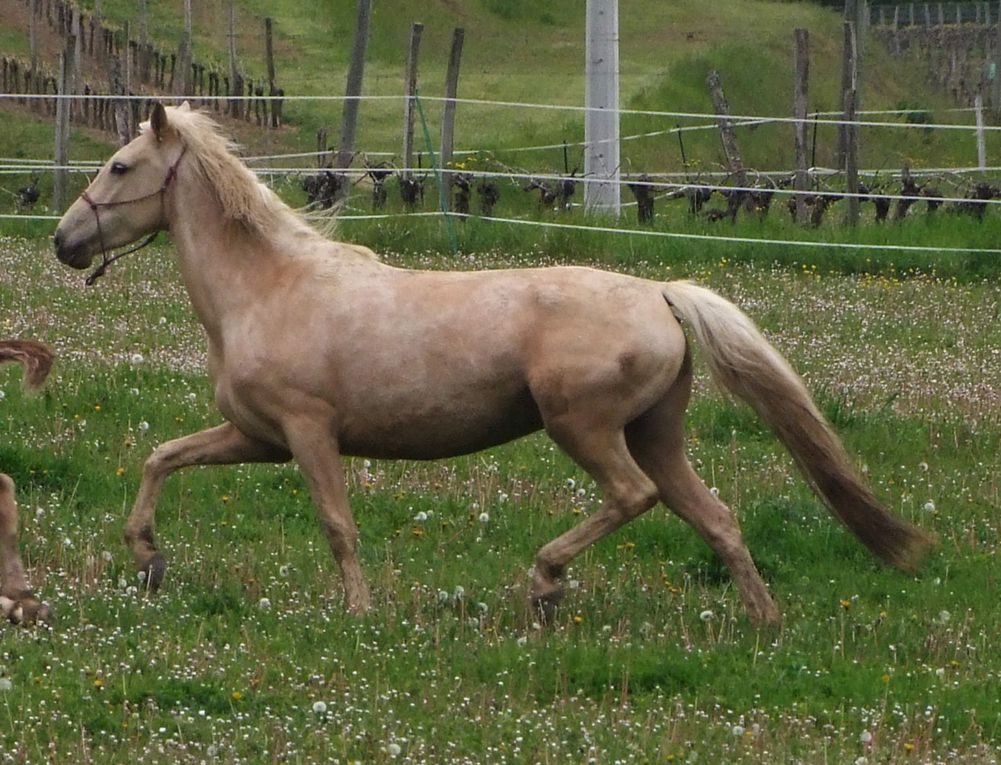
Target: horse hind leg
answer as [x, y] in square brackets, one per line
[656, 440]
[627, 493]
[17, 600]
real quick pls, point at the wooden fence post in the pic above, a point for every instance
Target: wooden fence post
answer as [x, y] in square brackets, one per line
[448, 113]
[978, 106]
[802, 77]
[235, 109]
[272, 90]
[410, 93]
[67, 65]
[851, 160]
[33, 42]
[183, 78]
[120, 105]
[727, 135]
[353, 92]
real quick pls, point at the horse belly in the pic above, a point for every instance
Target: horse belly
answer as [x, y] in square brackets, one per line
[436, 428]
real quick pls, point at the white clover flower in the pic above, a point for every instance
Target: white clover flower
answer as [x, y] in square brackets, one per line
[319, 707]
[707, 616]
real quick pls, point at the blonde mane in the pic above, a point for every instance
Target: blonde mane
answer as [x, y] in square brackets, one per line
[242, 195]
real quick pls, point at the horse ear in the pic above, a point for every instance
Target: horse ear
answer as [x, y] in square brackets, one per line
[158, 121]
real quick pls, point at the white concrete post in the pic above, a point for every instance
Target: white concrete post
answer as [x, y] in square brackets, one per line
[601, 121]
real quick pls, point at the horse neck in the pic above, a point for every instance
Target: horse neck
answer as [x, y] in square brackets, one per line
[221, 261]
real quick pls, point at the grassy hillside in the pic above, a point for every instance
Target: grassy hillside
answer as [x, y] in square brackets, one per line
[530, 52]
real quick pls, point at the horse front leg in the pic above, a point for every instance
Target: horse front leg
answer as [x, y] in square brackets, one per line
[221, 445]
[316, 450]
[17, 601]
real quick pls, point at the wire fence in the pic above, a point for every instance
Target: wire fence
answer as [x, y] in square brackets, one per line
[971, 191]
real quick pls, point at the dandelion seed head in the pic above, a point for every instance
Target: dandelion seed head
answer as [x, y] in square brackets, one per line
[707, 616]
[319, 707]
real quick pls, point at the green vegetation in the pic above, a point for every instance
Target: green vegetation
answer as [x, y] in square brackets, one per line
[246, 655]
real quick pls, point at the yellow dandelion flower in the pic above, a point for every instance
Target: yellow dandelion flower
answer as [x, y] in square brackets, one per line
[97, 407]
[886, 679]
[578, 619]
[236, 695]
[99, 682]
[120, 472]
[846, 604]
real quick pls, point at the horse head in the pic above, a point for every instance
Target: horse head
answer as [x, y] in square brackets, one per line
[127, 198]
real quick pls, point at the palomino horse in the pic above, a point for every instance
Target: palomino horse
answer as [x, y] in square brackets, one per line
[317, 350]
[17, 601]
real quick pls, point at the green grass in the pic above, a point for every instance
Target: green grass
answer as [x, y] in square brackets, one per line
[227, 662]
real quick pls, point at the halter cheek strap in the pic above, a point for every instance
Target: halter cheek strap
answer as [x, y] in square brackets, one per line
[107, 260]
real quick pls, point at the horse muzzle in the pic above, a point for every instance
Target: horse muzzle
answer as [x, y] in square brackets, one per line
[75, 254]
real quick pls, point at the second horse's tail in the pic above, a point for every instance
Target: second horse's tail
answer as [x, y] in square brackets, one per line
[747, 366]
[35, 357]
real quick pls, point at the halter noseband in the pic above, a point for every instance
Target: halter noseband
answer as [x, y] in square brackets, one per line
[96, 207]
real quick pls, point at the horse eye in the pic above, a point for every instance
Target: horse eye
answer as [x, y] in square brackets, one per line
[119, 168]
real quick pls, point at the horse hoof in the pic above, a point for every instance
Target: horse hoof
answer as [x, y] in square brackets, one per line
[26, 610]
[546, 607]
[155, 570]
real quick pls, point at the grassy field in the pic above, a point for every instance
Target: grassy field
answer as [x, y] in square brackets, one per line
[246, 655]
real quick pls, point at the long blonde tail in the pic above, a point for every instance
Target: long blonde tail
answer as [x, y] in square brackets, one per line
[35, 357]
[745, 364]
